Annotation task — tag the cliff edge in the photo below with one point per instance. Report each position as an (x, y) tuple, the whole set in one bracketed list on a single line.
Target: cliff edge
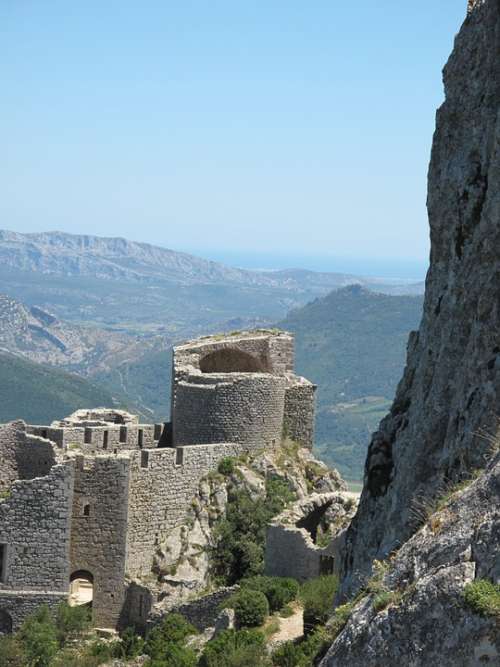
[(449, 397)]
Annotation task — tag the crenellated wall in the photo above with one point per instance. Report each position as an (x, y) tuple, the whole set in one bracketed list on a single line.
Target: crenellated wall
[(162, 484)]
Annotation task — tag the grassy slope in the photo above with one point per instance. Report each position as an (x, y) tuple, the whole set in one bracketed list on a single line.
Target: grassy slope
[(352, 343), (39, 394)]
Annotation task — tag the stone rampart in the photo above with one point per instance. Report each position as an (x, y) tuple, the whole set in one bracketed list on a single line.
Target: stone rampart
[(162, 484)]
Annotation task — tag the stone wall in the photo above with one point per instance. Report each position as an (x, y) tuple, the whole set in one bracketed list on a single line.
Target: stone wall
[(203, 612), (290, 552), (99, 529), (101, 438), (244, 408), (15, 606), (10, 437), (162, 484), (35, 531), (299, 412)]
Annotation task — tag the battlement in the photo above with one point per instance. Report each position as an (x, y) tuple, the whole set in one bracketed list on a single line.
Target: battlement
[(105, 437)]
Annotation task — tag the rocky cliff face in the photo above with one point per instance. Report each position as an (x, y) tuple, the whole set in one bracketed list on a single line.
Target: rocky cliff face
[(450, 393), (430, 504)]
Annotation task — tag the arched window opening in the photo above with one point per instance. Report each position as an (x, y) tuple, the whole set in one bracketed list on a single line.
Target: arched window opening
[(230, 360), (86, 510), (5, 623), (81, 589)]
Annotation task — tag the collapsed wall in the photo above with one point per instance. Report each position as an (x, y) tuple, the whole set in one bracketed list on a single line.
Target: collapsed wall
[(450, 393)]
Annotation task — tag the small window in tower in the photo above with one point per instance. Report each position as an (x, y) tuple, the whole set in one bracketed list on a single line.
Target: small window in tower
[(86, 510), (123, 434), (140, 438), (3, 563), (88, 436), (105, 439)]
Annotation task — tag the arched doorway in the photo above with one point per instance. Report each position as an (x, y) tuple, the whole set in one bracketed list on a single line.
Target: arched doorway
[(5, 623), (231, 360), (81, 588)]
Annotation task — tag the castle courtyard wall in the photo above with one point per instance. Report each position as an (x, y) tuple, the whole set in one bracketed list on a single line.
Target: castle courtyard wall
[(162, 484)]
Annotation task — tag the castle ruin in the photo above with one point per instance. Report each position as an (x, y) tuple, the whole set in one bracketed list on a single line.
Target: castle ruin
[(85, 501)]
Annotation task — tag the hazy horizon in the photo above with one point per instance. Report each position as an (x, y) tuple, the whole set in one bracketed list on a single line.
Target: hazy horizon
[(276, 129)]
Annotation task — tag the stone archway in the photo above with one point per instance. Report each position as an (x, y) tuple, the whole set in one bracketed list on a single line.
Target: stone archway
[(81, 588), (231, 360), (5, 623)]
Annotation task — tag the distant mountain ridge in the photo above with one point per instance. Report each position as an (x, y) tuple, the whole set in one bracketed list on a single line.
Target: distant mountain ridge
[(117, 258)]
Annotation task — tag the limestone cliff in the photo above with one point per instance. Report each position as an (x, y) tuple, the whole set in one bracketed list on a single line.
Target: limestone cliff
[(450, 393)]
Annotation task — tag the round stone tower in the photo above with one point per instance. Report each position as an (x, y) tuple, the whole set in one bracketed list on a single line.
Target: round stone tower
[(239, 388)]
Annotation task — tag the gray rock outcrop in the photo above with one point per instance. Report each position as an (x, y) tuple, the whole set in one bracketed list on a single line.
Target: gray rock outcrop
[(449, 397), (427, 621)]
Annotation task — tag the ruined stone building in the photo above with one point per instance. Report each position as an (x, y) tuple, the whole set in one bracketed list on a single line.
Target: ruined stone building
[(85, 501)]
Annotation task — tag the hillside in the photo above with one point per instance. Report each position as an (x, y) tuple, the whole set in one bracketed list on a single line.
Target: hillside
[(352, 344), (140, 288), (39, 394)]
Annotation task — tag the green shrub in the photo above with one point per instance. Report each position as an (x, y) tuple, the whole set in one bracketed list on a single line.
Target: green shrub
[(316, 596), (11, 652), (483, 597), (236, 648), (287, 655), (304, 653), (239, 536), (38, 635), (72, 622), (287, 611), (174, 629), (226, 466), (279, 591), (175, 655), (251, 608), (382, 600), (130, 646)]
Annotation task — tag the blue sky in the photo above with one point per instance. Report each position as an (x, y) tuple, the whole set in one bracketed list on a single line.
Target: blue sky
[(267, 128)]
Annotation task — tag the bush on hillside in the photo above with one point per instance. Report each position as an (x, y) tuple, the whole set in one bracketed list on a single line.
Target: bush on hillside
[(279, 591), (483, 597), (251, 608), (316, 596), (173, 630), (239, 536), (236, 648), (226, 466)]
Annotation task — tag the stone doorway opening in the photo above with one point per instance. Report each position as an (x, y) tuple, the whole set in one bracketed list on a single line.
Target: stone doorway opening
[(81, 589), (5, 623)]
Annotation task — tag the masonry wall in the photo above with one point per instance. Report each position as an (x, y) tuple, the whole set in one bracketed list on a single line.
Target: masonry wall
[(98, 535), (17, 605), (290, 552), (10, 438), (95, 439), (162, 484), (299, 412), (35, 527), (243, 408)]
